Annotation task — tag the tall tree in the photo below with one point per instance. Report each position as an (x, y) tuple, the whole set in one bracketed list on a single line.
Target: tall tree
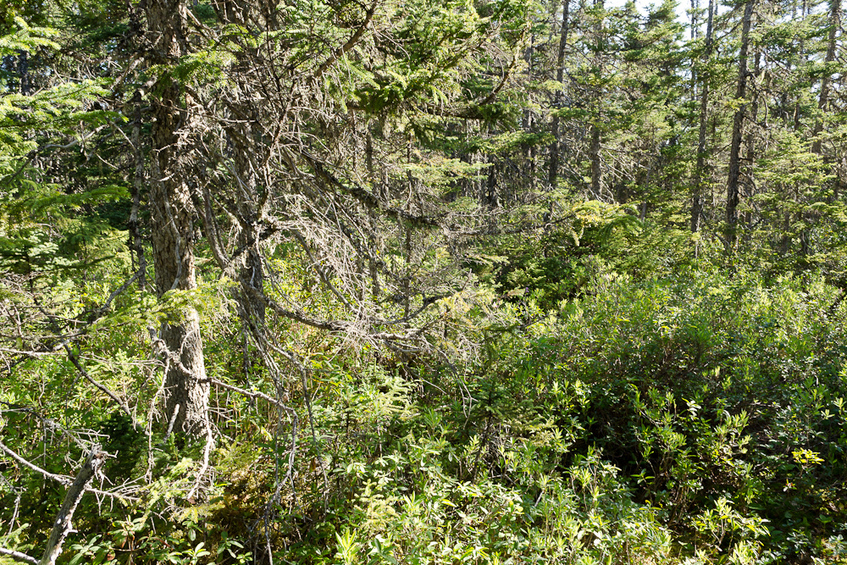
[(556, 146), (834, 25), (734, 180), (647, 106), (598, 48), (701, 75), (172, 216)]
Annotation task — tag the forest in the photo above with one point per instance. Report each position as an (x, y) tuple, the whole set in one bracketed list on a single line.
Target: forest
[(423, 282)]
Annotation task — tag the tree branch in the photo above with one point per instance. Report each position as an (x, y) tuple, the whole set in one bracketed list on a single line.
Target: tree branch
[(18, 556), (365, 197), (62, 525), (354, 39), (64, 479), (75, 360), (248, 393)]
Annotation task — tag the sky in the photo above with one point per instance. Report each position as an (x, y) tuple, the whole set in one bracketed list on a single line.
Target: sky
[(681, 9)]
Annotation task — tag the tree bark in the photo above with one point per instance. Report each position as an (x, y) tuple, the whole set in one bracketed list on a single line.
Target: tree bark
[(251, 274), (136, 244), (823, 98), (530, 121), (596, 163), (62, 526), (244, 135), (246, 142), (560, 73), (172, 216), (700, 169), (596, 140), (732, 185), (750, 157)]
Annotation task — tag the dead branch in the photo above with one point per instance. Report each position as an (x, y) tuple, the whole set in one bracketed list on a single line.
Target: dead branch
[(354, 39), (18, 556), (247, 393), (62, 525), (64, 479), (75, 360), (365, 197)]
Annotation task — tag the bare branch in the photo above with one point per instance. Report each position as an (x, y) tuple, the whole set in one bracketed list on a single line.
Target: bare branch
[(75, 360), (98, 312), (18, 556), (33, 354), (110, 494), (248, 393), (62, 525), (349, 44), (365, 197), (64, 479), (204, 467)]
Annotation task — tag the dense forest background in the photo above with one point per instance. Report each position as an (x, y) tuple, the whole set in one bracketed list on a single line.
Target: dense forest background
[(422, 281)]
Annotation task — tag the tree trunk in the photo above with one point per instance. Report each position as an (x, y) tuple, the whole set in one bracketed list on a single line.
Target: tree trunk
[(136, 244), (700, 169), (732, 184), (530, 122), (560, 72), (172, 214), (596, 141), (245, 137), (251, 275), (596, 164), (823, 98), (750, 157), (695, 15)]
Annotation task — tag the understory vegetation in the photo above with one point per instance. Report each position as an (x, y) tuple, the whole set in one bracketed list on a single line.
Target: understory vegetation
[(689, 416)]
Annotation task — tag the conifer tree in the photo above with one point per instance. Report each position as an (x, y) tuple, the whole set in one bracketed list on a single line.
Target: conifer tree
[(734, 180), (173, 217), (702, 74)]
